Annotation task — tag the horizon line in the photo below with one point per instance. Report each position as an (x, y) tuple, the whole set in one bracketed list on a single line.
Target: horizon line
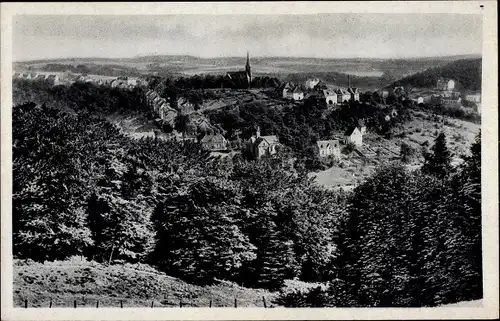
[(255, 57)]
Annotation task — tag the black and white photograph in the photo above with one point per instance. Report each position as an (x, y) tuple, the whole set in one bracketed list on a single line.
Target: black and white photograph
[(167, 161)]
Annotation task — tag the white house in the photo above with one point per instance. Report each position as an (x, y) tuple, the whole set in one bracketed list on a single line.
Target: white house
[(445, 84), (353, 135), (330, 97), (297, 94), (420, 100), (354, 93), (475, 98), (328, 148), (343, 95)]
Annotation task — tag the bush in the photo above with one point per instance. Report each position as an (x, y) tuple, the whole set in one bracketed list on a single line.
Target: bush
[(349, 148), (314, 298)]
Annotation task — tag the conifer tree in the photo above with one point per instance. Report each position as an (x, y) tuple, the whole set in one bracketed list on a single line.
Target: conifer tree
[(438, 162)]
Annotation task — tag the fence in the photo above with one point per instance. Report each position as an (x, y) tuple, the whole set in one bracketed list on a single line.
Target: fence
[(181, 304)]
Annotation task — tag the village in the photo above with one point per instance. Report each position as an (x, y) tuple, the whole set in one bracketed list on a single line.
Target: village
[(351, 148)]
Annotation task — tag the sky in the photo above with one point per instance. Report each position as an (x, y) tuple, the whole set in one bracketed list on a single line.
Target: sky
[(336, 35)]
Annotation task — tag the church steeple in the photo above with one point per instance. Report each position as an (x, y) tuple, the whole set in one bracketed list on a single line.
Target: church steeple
[(248, 69)]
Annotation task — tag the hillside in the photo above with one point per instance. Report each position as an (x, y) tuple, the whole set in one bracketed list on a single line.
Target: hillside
[(136, 285), (466, 71)]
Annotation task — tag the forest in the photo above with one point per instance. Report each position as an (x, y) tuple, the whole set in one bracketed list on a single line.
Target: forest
[(466, 71), (82, 188)]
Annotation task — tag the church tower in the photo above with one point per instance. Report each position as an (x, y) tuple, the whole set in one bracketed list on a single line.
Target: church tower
[(248, 69)]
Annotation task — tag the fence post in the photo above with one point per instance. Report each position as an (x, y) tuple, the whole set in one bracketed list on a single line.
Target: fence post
[(152, 304), (74, 303), (50, 304), (97, 304), (25, 303), (121, 303), (235, 303), (210, 303), (264, 300), (180, 303)]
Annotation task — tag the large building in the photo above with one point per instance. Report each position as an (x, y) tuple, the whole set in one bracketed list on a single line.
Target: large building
[(242, 78), (263, 145), (445, 84)]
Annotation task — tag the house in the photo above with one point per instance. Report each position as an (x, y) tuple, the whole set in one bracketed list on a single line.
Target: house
[(385, 93), (184, 105), (132, 82), (449, 101), (311, 83), (475, 98), (420, 100), (263, 145), (214, 142), (343, 95), (53, 80), (285, 90), (291, 91), (39, 77), (330, 97), (328, 148), (445, 84), (297, 94), (167, 114), (353, 135), (354, 93)]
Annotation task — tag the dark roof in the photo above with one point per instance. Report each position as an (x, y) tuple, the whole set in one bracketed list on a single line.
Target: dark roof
[(325, 143), (271, 140), (213, 138)]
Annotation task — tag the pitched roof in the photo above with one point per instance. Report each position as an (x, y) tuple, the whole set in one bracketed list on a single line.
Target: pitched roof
[(353, 90), (327, 143), (217, 138), (271, 140), (342, 91), (350, 130)]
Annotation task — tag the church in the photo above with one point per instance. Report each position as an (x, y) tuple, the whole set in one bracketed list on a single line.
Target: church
[(242, 78)]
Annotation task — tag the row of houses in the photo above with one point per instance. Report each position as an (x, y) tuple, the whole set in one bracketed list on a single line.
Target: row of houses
[(68, 78), (52, 79), (332, 96), (161, 107)]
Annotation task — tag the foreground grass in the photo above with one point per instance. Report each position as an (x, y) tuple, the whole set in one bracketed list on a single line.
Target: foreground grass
[(135, 285)]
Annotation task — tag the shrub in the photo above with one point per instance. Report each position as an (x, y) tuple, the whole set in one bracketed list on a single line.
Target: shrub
[(349, 148)]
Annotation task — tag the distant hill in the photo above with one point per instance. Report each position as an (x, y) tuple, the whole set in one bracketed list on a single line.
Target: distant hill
[(466, 71), (365, 73)]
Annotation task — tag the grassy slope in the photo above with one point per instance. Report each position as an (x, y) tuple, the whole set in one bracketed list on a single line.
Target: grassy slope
[(460, 135), (137, 285)]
